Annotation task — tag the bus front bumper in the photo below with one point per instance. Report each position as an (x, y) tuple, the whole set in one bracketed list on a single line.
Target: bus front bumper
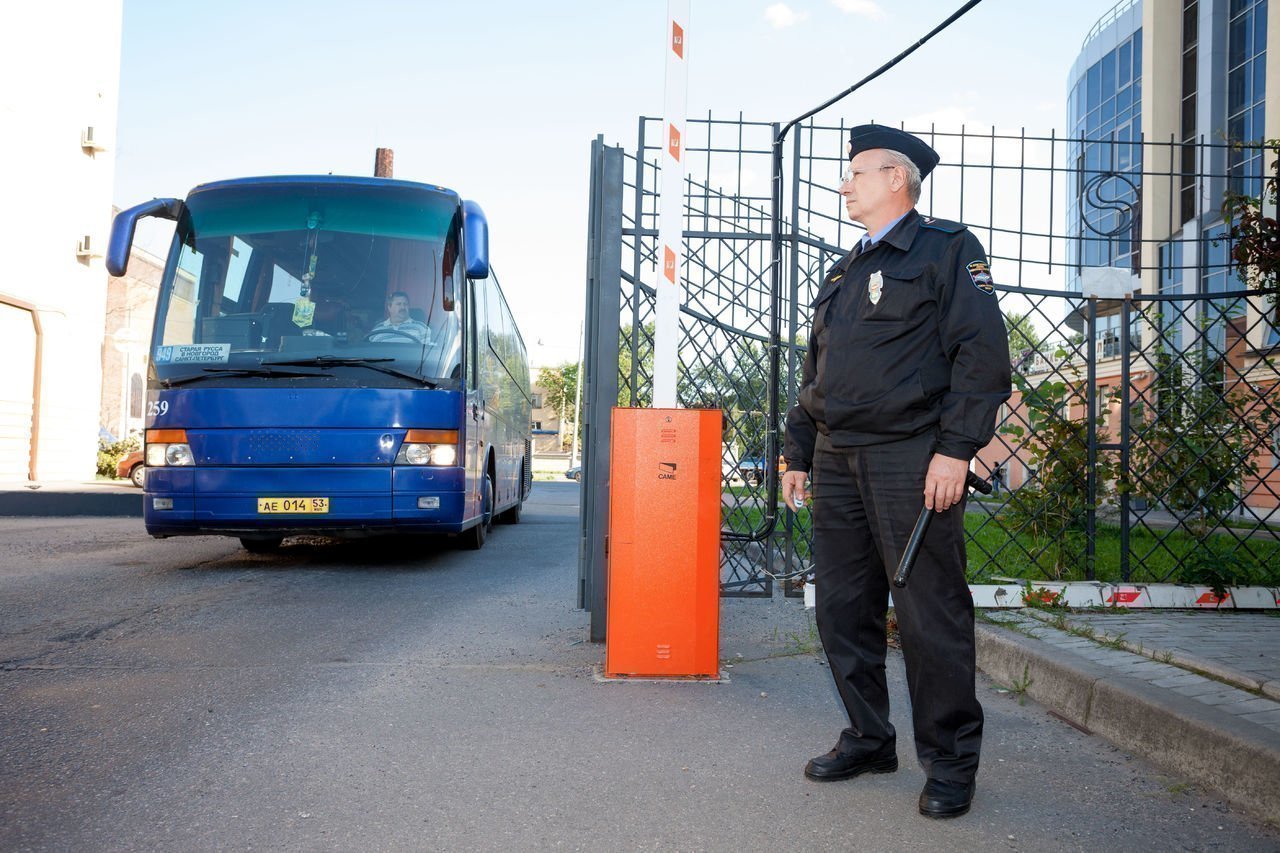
[(360, 501)]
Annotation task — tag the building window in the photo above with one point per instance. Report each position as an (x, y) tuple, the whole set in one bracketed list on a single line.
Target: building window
[(537, 401), (1217, 276), (1190, 34), (1105, 116), (1171, 278), (536, 425), (1246, 93)]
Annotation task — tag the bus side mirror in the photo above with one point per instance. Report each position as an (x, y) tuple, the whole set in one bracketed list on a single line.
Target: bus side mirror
[(475, 230), (449, 296), (126, 221)]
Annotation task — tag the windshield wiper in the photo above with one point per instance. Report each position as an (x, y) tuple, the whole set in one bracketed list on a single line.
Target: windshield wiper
[(221, 372), (324, 361)]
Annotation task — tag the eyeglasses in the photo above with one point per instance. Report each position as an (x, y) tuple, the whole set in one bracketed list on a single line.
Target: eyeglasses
[(850, 173)]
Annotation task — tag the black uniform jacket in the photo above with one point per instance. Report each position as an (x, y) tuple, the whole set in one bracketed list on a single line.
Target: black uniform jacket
[(907, 337)]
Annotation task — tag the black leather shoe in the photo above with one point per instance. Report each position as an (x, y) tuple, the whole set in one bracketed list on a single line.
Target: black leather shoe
[(943, 798), (833, 765)]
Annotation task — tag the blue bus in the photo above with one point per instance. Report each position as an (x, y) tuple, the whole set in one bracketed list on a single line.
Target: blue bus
[(330, 355)]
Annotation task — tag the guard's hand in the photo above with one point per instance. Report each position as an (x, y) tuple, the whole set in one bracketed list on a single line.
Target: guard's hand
[(944, 483), (793, 491)]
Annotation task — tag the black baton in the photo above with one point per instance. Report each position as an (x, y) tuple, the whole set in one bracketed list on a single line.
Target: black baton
[(972, 481)]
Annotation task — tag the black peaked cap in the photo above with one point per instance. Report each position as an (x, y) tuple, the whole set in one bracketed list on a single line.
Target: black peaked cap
[(867, 136)]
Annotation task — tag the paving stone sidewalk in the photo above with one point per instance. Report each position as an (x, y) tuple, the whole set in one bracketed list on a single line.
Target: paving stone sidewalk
[(1242, 649), (1194, 691), (1238, 652)]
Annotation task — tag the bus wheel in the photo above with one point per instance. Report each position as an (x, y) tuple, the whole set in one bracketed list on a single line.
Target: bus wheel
[(512, 516), (261, 545), (476, 536)]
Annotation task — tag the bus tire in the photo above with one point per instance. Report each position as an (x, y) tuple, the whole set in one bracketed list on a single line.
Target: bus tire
[(261, 545), (478, 535), (512, 516)]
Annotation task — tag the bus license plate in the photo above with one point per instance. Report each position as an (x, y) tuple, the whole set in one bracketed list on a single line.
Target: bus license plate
[(293, 505)]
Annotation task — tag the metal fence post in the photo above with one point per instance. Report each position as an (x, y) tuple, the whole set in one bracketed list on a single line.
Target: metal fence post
[(600, 391), (1126, 473), (636, 258), (1091, 427), (793, 321)]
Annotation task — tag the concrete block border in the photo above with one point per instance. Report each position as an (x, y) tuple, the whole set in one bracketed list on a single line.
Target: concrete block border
[(1236, 757)]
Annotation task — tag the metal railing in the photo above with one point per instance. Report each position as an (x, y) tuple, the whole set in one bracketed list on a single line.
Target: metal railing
[(1142, 440)]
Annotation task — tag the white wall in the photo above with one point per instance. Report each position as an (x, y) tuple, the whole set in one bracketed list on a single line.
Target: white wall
[(59, 73)]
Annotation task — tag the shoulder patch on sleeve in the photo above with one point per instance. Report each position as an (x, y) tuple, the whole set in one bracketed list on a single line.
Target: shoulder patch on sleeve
[(945, 225), (981, 275)]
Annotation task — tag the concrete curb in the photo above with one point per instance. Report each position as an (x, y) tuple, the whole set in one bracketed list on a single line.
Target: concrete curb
[(1238, 758), (53, 503)]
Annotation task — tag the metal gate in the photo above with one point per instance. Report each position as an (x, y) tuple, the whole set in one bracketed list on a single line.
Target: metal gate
[(1143, 439)]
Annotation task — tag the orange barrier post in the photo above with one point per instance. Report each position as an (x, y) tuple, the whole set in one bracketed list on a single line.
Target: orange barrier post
[(664, 544)]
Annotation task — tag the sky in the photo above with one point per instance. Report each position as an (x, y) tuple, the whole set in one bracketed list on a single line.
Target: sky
[(500, 100)]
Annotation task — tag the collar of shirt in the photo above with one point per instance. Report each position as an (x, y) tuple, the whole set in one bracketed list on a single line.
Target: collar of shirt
[(869, 240), (900, 233)]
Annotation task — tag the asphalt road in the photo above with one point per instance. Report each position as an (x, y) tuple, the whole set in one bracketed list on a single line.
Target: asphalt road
[(403, 695)]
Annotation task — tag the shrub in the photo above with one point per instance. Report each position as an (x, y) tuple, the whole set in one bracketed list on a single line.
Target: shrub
[(111, 452)]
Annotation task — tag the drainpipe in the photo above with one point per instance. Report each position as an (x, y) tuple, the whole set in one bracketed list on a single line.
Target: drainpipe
[(34, 455)]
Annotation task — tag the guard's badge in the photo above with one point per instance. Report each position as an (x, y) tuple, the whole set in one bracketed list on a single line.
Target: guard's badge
[(981, 275), (875, 287)]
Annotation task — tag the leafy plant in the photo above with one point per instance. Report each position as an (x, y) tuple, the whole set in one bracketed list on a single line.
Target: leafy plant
[(1053, 508), (1255, 237), (1023, 337), (1196, 439), (111, 452), (1020, 685), (1042, 598), (560, 394), (1218, 568)]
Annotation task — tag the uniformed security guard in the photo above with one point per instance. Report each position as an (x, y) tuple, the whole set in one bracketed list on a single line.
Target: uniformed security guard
[(907, 366)]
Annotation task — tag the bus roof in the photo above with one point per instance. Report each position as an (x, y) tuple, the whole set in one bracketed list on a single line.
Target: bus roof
[(334, 180)]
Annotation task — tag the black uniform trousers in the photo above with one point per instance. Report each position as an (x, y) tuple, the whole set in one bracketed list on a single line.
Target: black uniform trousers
[(865, 502)]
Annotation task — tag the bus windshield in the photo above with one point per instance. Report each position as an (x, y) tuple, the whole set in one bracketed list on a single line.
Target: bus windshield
[(313, 282)]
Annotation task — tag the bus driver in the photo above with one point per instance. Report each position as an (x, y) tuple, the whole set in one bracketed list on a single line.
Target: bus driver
[(399, 326)]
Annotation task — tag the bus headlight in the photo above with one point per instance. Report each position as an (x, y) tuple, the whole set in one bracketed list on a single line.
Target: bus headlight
[(168, 447), (444, 454), (178, 454), (437, 447), (417, 454)]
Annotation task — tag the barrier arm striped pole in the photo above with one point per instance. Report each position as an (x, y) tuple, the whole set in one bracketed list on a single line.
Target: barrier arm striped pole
[(666, 344)]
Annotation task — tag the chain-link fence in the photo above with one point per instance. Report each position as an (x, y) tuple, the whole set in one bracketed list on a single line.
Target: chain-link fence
[(1142, 442)]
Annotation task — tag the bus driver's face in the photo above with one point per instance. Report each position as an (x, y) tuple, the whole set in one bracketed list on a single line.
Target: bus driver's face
[(398, 310)]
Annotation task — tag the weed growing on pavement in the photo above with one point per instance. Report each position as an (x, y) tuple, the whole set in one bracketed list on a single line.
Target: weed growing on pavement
[(1020, 685), (1117, 642), (808, 643), (1011, 625)]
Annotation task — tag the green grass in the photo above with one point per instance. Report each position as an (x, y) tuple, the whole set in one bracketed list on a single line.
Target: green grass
[(1154, 556)]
